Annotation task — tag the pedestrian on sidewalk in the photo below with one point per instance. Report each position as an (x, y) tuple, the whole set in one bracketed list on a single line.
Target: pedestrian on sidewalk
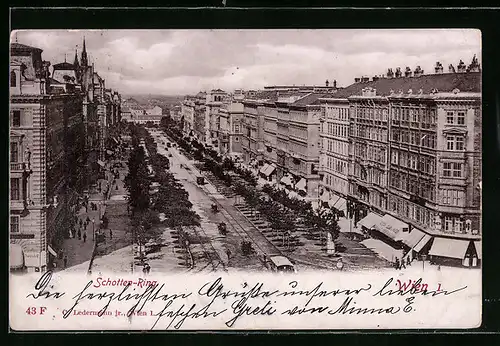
[(88, 220), (84, 237), (110, 234), (81, 222), (79, 235), (65, 261)]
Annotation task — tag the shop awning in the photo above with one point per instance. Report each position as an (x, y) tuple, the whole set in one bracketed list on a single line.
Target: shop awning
[(391, 227), (16, 256), (52, 251), (270, 169), (451, 248), (338, 202), (479, 249), (413, 238), (325, 197), (301, 185), (423, 242), (370, 220), (100, 163), (264, 168)]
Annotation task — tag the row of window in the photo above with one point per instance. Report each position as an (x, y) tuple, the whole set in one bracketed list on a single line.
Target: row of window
[(337, 130), (412, 211), (335, 183), (371, 113), (337, 165), (337, 113), (410, 184), (422, 163), (336, 146), (371, 175), (427, 140), (413, 115), (369, 132)]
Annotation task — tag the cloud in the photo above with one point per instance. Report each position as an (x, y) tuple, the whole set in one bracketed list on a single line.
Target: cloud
[(185, 61)]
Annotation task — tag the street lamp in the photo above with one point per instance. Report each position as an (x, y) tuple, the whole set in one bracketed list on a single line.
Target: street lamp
[(93, 229)]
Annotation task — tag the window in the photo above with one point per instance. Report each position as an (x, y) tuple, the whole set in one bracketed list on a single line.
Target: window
[(461, 118), (448, 223), (447, 169), (13, 79), (457, 170), (236, 139), (450, 117), (16, 118), (15, 192), (14, 152), (14, 224), (459, 143), (237, 128), (450, 141)]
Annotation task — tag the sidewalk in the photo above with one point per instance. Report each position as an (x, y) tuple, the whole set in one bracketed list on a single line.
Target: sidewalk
[(76, 249)]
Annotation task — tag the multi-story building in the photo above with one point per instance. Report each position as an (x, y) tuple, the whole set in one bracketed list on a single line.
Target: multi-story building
[(215, 99), (187, 115), (415, 158), (47, 141), (230, 128)]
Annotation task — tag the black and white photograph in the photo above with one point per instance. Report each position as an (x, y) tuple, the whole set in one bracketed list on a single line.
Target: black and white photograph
[(339, 155)]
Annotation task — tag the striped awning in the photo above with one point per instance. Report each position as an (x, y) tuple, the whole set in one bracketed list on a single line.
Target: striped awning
[(301, 185), (338, 202), (413, 238), (423, 242), (325, 196), (391, 227), (370, 220), (264, 168), (270, 169), (479, 249), (51, 251), (450, 248), (16, 256)]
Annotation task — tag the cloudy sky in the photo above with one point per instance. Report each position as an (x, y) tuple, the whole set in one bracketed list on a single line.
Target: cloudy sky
[(177, 62)]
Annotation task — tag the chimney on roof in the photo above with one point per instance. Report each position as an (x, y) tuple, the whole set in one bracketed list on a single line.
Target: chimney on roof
[(418, 72), (398, 72), (461, 67), (390, 74), (451, 69), (408, 72), (438, 68), (357, 80), (375, 78), (335, 82), (365, 79), (327, 83)]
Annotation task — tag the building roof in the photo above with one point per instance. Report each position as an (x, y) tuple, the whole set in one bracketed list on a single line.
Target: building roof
[(443, 82), (311, 99), (64, 66), (19, 46)]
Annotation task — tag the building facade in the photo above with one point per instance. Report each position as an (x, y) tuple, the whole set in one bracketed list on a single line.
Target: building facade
[(47, 140)]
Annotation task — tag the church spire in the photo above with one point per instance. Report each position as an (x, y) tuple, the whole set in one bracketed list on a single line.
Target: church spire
[(84, 54), (76, 63)]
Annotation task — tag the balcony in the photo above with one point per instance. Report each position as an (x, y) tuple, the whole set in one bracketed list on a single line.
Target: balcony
[(17, 166)]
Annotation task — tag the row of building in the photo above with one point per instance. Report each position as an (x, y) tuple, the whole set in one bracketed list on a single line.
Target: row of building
[(59, 123), (132, 111), (401, 152)]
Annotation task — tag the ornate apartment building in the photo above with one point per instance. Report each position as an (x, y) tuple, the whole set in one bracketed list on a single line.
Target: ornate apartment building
[(47, 139), (414, 153), (55, 135)]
